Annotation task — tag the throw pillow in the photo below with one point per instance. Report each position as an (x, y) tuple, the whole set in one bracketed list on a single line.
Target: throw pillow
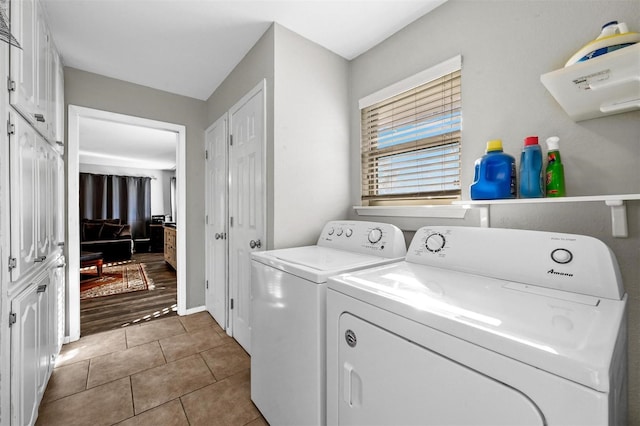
[(110, 231), (91, 231)]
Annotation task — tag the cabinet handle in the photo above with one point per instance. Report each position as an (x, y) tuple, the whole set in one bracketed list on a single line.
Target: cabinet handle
[(61, 244), (62, 265), (39, 118), (40, 259), (42, 288)]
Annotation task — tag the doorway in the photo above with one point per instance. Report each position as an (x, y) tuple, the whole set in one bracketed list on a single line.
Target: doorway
[(236, 210), (75, 115)]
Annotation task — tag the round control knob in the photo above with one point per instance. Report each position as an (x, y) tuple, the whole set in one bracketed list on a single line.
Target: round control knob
[(561, 256), (340, 231), (330, 231), (435, 242), (375, 235), (348, 232)]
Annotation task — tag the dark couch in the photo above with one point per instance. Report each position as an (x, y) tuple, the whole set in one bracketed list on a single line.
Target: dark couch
[(107, 236)]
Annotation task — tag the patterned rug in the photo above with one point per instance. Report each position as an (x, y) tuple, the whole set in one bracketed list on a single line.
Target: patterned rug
[(117, 277)]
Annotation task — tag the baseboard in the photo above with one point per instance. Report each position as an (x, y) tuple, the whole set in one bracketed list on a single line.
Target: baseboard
[(195, 310)]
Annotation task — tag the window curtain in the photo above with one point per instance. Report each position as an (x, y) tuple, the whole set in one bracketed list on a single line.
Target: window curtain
[(127, 198)]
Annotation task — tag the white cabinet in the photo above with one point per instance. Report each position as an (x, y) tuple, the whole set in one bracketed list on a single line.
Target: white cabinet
[(37, 332), (25, 356), (37, 192), (35, 70), (32, 219), (35, 342), (23, 61)]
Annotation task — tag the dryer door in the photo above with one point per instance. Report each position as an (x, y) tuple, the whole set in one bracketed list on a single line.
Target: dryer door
[(386, 379)]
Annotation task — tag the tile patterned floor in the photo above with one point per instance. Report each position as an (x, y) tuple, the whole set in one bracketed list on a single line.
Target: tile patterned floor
[(174, 371)]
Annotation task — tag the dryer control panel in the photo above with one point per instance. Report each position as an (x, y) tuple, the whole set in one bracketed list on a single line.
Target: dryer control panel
[(380, 239), (568, 262)]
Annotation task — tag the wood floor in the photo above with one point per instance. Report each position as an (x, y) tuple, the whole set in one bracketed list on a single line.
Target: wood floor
[(121, 310)]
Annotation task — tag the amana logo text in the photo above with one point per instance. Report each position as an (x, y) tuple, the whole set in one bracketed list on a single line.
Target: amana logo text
[(551, 271)]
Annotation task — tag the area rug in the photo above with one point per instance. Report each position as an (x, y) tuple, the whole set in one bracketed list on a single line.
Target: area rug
[(118, 277)]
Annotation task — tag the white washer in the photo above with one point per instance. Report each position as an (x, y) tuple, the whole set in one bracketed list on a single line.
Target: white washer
[(288, 297), (480, 326)]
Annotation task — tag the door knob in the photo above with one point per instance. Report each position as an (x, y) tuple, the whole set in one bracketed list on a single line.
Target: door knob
[(218, 236), (255, 244)]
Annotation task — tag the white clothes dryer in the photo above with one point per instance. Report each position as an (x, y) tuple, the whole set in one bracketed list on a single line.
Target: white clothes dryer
[(480, 327), (288, 298)]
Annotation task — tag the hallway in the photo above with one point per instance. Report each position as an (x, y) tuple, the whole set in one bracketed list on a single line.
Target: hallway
[(172, 371)]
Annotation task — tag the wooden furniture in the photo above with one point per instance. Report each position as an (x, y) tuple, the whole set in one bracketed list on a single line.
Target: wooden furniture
[(89, 259), (170, 254)]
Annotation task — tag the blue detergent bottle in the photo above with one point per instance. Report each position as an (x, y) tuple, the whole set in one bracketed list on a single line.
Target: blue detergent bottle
[(531, 169), (495, 174)]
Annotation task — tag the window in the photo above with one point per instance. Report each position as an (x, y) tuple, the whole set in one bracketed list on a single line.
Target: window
[(411, 135)]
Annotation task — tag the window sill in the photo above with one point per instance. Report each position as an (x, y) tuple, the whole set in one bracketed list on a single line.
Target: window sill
[(439, 211)]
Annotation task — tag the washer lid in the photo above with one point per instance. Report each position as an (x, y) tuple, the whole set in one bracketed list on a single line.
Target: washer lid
[(317, 263), (570, 335)]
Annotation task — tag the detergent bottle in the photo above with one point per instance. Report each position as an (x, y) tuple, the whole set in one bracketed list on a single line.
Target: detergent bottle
[(531, 169), (614, 36), (495, 174), (555, 169)]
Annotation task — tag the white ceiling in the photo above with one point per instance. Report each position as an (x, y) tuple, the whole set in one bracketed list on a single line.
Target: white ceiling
[(188, 47), (112, 143)]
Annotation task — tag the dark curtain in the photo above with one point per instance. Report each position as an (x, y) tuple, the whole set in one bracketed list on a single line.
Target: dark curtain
[(127, 198)]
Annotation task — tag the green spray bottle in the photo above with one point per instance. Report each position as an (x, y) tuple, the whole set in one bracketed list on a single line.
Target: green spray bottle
[(555, 169)]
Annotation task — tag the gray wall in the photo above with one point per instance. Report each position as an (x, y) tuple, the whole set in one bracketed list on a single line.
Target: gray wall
[(311, 139), (107, 94), (307, 131), (505, 47)]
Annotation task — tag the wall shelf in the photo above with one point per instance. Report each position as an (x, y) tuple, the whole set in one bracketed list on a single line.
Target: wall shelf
[(615, 202), (606, 85)]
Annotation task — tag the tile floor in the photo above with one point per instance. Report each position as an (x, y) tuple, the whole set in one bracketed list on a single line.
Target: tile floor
[(174, 371)]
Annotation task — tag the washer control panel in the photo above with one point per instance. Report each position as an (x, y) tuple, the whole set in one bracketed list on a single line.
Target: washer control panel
[(568, 262), (381, 239)]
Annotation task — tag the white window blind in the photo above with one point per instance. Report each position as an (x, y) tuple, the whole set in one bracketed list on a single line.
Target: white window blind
[(411, 142)]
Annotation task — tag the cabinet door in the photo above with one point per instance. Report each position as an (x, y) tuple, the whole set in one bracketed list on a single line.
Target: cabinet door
[(56, 308), (25, 354), (58, 191), (45, 346), (42, 65), (44, 205), (23, 27), (23, 171)]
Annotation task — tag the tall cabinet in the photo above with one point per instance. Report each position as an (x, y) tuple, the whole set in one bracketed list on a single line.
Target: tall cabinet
[(32, 217)]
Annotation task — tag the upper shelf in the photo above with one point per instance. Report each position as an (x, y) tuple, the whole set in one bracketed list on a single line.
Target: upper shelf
[(606, 85), (619, 227)]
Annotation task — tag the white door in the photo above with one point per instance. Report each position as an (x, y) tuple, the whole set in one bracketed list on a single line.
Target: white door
[(217, 183), (23, 151), (23, 27), (246, 205), (25, 353)]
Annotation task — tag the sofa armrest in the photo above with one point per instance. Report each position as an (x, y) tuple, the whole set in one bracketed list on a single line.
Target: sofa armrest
[(125, 234)]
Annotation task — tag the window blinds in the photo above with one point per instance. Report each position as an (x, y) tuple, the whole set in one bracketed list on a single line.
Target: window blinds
[(411, 143)]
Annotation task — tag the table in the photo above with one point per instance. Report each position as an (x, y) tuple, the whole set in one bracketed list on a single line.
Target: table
[(89, 258)]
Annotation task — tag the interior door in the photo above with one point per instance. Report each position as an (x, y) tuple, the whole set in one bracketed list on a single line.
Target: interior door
[(246, 205), (217, 184)]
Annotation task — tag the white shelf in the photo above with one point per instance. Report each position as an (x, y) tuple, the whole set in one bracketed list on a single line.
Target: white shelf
[(615, 202), (606, 85)]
